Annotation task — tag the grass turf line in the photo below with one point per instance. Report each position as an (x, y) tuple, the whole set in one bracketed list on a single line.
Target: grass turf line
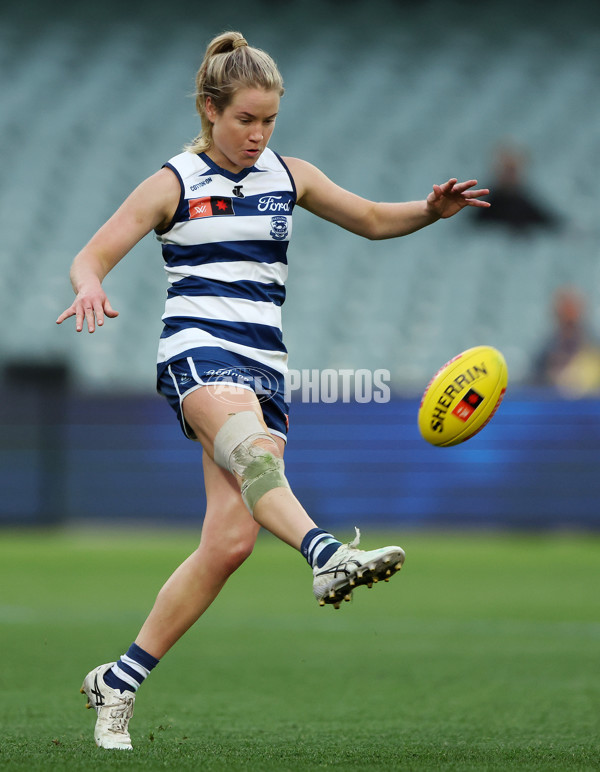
[(481, 655)]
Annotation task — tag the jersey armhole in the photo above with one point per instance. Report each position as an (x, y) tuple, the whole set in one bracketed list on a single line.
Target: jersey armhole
[(181, 199), (289, 174)]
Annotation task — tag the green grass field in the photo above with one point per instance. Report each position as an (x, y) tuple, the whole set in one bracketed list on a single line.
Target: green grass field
[(483, 654)]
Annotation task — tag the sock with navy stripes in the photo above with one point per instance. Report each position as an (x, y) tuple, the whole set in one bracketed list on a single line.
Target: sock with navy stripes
[(131, 670), (318, 546)]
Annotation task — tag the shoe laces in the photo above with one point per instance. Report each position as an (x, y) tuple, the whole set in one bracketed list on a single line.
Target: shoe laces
[(356, 541), (120, 714), (341, 568)]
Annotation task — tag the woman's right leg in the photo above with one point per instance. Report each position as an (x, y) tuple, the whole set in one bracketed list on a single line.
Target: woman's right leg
[(228, 536)]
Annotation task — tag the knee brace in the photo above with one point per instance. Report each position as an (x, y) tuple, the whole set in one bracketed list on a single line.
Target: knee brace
[(258, 469)]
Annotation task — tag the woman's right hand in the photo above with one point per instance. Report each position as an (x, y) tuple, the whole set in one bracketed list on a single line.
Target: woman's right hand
[(151, 205), (91, 305)]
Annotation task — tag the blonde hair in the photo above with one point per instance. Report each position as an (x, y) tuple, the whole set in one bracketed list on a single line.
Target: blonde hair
[(230, 64)]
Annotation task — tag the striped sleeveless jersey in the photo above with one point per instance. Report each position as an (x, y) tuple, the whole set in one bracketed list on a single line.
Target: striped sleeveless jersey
[(225, 258)]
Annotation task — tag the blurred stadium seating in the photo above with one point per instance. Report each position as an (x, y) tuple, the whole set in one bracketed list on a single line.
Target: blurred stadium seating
[(387, 99)]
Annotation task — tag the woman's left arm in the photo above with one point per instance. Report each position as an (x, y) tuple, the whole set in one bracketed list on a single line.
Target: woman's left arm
[(319, 195)]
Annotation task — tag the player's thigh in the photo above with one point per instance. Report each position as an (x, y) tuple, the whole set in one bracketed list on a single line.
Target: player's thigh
[(228, 527), (206, 409)]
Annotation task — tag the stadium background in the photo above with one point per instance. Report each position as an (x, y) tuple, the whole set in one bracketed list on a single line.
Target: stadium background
[(386, 98)]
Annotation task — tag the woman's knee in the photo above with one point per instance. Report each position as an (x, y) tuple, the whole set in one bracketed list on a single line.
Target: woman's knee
[(229, 547), (236, 548)]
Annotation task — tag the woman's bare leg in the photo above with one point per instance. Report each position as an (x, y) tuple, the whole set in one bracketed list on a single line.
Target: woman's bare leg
[(228, 536), (206, 410), (229, 531)]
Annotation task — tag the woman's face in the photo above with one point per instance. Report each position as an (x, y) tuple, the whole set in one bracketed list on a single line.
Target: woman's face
[(242, 131)]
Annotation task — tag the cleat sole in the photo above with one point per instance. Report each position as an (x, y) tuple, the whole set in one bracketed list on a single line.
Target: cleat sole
[(375, 571)]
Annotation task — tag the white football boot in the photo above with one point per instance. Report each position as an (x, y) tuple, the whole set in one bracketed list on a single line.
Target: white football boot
[(114, 710), (349, 567)]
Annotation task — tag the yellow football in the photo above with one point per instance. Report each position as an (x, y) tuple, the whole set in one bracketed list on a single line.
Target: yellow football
[(463, 396)]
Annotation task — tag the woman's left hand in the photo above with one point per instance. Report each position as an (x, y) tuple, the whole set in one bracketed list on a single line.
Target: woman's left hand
[(449, 198)]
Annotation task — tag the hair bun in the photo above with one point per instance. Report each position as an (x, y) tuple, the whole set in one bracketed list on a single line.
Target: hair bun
[(239, 43)]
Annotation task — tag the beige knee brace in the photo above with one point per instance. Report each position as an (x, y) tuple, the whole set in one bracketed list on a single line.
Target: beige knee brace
[(258, 469)]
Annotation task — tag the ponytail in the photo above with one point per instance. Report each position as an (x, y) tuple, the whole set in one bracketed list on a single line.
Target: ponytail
[(230, 64)]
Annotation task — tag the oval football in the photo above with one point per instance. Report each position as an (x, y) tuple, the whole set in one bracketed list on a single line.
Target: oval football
[(463, 396)]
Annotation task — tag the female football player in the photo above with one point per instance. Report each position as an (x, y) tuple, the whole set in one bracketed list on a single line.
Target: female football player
[(222, 210)]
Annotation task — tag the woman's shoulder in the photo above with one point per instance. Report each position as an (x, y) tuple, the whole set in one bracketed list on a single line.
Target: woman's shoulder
[(300, 167), (187, 163), (305, 174), (294, 163)]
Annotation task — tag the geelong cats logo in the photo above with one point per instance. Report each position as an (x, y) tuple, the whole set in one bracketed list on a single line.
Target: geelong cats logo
[(279, 227)]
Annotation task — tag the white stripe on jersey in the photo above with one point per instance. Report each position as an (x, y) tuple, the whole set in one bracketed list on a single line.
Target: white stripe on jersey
[(185, 340), (235, 270), (199, 179), (210, 230), (212, 307)]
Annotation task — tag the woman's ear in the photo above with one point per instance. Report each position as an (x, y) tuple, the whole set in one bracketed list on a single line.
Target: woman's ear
[(210, 110)]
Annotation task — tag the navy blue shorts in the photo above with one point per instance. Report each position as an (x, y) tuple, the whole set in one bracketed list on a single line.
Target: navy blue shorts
[(183, 376)]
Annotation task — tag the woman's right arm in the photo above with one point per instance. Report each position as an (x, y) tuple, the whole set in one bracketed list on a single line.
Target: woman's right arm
[(151, 205)]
